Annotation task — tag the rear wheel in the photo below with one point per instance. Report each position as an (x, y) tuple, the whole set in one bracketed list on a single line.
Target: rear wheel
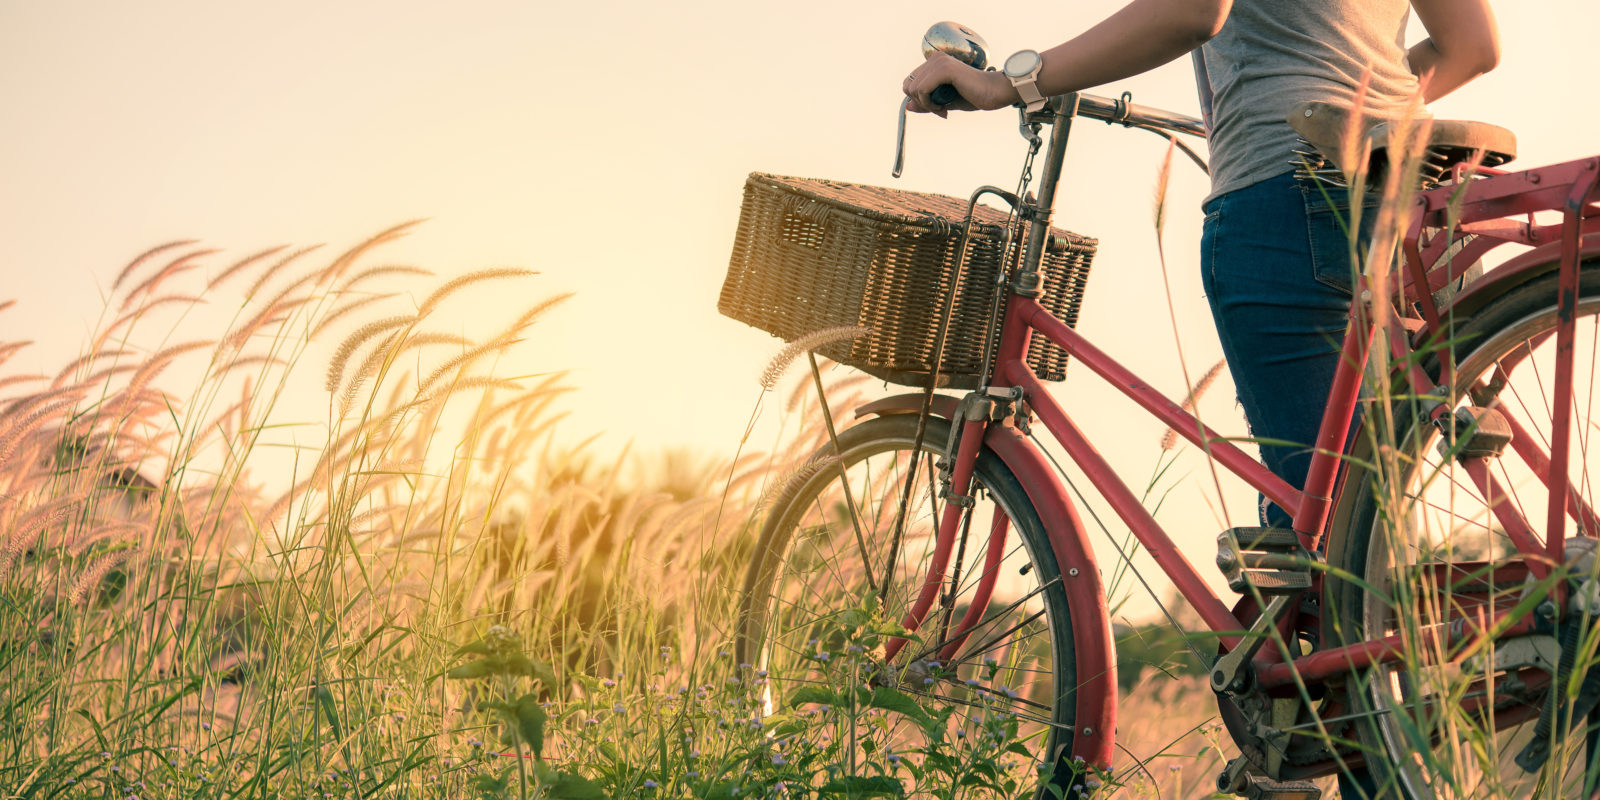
[(987, 666), (1431, 549)]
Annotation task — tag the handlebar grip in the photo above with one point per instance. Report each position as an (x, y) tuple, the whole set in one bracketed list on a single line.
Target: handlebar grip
[(944, 95)]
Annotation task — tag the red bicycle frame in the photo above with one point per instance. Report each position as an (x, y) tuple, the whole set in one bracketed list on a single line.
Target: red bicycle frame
[(1482, 206)]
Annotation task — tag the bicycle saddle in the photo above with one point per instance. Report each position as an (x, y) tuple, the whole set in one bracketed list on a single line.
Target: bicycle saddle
[(1450, 142)]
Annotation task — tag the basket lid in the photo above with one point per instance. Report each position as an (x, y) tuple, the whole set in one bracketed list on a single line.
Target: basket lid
[(883, 204)]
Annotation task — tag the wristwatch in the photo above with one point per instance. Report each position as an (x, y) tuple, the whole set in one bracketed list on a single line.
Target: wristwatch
[(1022, 68)]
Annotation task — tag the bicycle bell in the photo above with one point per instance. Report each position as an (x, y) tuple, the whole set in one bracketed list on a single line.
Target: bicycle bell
[(959, 41)]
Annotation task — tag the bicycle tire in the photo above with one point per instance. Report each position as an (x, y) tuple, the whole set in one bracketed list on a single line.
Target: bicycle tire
[(1411, 551), (806, 577)]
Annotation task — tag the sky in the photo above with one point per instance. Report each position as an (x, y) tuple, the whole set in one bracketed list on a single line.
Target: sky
[(605, 145)]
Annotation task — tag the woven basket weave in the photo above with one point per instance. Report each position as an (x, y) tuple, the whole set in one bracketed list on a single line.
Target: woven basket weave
[(815, 254)]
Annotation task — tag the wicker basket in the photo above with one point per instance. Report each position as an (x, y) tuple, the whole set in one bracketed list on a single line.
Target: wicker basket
[(816, 254)]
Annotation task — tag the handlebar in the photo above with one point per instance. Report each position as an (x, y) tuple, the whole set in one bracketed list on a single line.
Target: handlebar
[(1121, 112)]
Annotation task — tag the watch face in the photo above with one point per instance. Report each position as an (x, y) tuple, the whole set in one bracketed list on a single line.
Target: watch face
[(1021, 63)]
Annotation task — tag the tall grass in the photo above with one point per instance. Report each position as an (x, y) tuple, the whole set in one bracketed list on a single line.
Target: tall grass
[(178, 624)]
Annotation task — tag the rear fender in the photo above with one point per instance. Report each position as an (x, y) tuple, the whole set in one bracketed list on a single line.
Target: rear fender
[(1095, 719)]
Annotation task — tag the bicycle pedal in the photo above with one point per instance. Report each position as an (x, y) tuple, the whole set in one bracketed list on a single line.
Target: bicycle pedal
[(1271, 560), (1474, 432)]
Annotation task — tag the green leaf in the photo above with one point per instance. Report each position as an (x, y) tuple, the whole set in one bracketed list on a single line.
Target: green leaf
[(863, 786), (475, 669), (530, 723), (522, 665), (575, 787), (894, 700), (478, 648), (325, 700), (814, 694)]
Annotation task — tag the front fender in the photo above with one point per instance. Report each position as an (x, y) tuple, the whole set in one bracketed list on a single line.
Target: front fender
[(1095, 718)]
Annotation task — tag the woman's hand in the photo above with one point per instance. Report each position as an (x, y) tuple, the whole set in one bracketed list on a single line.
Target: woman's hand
[(980, 91)]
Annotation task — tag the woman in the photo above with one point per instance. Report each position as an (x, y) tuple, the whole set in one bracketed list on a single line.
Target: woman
[(1273, 254)]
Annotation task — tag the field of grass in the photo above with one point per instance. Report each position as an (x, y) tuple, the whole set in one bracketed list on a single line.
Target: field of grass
[(444, 603)]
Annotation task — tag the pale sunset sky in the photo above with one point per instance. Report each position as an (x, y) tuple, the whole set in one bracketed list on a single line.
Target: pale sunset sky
[(605, 144)]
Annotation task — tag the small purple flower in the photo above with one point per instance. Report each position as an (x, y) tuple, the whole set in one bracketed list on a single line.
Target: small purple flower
[(778, 760), (822, 656), (650, 784), (608, 683)]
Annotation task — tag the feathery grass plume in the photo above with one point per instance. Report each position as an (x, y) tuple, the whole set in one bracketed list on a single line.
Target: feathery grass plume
[(146, 256), (811, 341), (5, 304), (277, 266), (795, 475), (348, 257), (357, 338), (15, 379), (37, 414), (88, 358), (9, 349), (152, 304), (83, 587), (1162, 178), (1169, 440), (380, 271), (241, 265), (352, 306), (1354, 148), (268, 315), (159, 362), (451, 287), (460, 363), (177, 266), (106, 534), (390, 349)]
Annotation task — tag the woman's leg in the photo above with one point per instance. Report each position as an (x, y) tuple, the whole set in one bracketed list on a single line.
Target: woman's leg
[(1277, 272)]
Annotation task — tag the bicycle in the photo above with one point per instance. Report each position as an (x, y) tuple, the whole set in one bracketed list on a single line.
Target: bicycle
[(1441, 570)]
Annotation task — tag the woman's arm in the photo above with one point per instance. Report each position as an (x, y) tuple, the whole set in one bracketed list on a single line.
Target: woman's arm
[(1462, 44), (1142, 36)]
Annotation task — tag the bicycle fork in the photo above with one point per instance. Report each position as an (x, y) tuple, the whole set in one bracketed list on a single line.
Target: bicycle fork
[(954, 487)]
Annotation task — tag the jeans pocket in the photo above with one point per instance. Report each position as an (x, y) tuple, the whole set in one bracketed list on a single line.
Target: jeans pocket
[(1334, 262)]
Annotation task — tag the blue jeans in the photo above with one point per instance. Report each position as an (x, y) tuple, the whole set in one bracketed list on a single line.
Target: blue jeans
[(1276, 267)]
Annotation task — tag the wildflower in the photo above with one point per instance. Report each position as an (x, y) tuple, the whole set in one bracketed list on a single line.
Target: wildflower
[(608, 683), (761, 673), (972, 682), (723, 654), (650, 784), (591, 721), (619, 709), (822, 656), (778, 760), (961, 733), (693, 773), (894, 758), (746, 665)]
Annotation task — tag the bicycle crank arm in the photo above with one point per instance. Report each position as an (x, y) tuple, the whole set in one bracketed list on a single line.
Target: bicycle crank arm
[(1229, 674)]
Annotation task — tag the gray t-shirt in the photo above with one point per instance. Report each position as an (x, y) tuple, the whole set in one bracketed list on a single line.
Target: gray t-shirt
[(1272, 54)]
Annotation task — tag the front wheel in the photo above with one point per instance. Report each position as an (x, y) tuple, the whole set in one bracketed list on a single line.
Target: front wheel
[(1433, 544), (901, 696)]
